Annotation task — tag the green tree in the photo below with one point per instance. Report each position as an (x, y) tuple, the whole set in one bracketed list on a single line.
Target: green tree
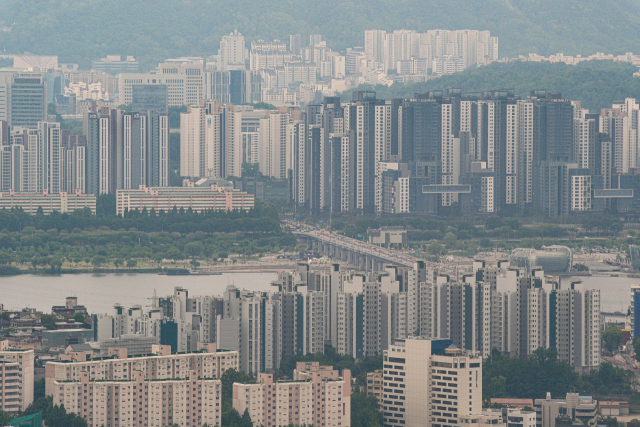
[(38, 390), (636, 348), (245, 421), (118, 262), (49, 321), (131, 263), (365, 411), (98, 260), (435, 248), (56, 265), (5, 417), (193, 249), (450, 239), (611, 337)]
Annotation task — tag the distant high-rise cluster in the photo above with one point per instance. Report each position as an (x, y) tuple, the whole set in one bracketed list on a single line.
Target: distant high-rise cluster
[(482, 152), (492, 307), (436, 51), (118, 149)]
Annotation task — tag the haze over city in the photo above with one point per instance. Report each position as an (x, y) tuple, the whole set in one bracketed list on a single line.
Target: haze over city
[(334, 214)]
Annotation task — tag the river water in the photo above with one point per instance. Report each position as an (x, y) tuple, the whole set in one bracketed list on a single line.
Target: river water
[(99, 292)]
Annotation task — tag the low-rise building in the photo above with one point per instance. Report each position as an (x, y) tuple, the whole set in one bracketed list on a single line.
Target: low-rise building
[(61, 202), (374, 384), (486, 419), (613, 409), (187, 400), (512, 403), (66, 337), (197, 198), (207, 363), (575, 407), (16, 378), (305, 371), (516, 417), (322, 399)]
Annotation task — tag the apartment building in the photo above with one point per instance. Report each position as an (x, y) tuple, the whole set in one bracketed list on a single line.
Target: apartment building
[(196, 198), (318, 397), (429, 381), (188, 400), (375, 384), (16, 378), (162, 365), (61, 202)]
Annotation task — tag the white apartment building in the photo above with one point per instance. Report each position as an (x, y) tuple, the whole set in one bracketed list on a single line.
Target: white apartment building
[(188, 400), (422, 386), (200, 143), (232, 53), (579, 324), (580, 193), (16, 378)]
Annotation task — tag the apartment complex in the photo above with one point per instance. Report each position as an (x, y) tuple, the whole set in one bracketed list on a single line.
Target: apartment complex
[(61, 202), (188, 400), (206, 363), (196, 198), (315, 397), (492, 307), (429, 381), (16, 378), (117, 150)]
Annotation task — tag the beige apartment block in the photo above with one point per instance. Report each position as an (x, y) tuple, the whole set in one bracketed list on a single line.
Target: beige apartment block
[(322, 399), (139, 401), (422, 388), (375, 384), (207, 363), (16, 378)]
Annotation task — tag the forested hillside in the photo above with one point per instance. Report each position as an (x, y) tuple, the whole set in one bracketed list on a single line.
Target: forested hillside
[(151, 30), (596, 83)]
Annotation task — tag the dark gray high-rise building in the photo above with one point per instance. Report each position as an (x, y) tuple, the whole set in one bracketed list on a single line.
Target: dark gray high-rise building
[(149, 98), (553, 149), (233, 86), (157, 167), (28, 100), (143, 150), (101, 129)]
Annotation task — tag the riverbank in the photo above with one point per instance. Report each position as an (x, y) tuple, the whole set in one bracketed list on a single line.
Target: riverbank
[(238, 268)]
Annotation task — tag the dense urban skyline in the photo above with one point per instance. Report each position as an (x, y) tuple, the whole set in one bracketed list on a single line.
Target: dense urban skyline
[(449, 256)]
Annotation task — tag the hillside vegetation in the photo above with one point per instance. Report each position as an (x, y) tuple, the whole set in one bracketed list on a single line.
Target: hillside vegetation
[(153, 30), (596, 83)]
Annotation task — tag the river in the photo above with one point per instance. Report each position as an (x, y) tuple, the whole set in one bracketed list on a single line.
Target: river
[(99, 292)]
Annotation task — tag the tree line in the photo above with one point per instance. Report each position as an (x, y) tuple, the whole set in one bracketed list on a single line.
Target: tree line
[(542, 372), (263, 218)]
